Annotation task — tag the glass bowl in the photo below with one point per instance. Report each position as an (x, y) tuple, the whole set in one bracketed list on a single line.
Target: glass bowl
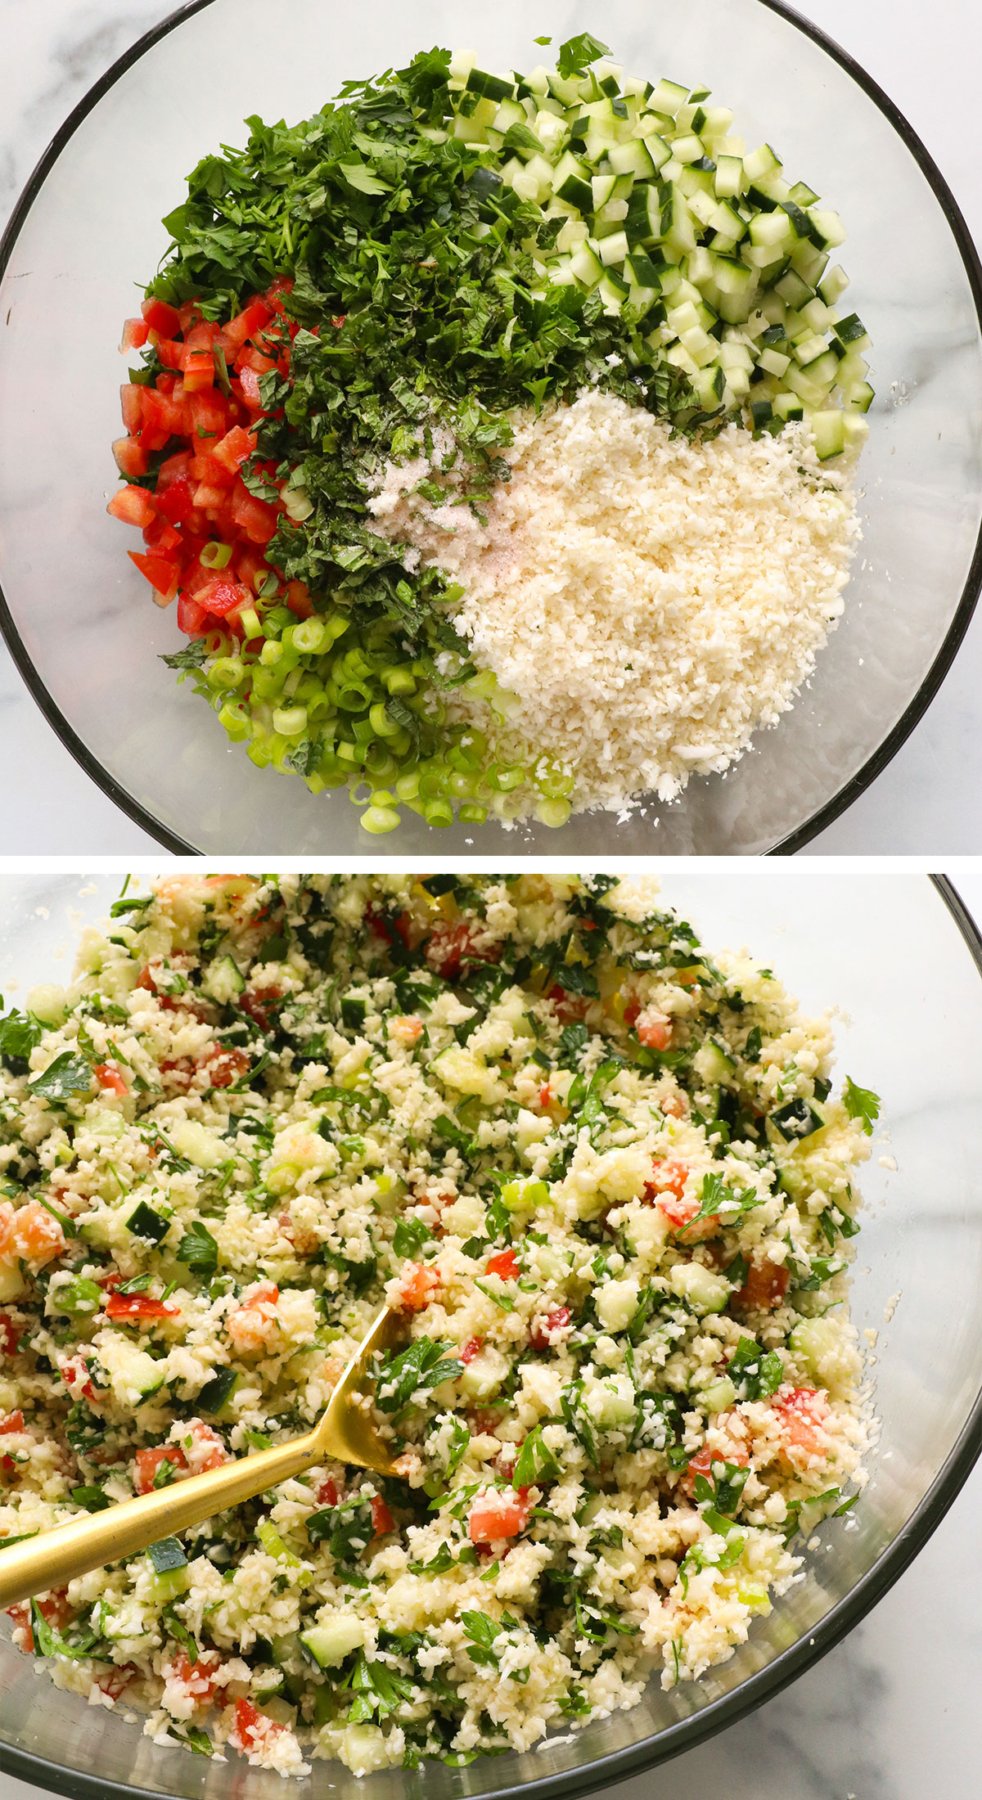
[(906, 960), (86, 234)]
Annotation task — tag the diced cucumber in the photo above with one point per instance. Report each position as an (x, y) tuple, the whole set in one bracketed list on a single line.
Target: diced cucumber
[(667, 97), (490, 87), (700, 1288), (828, 431), (330, 1643), (761, 163), (586, 265), (712, 1063), (223, 981), (613, 249)]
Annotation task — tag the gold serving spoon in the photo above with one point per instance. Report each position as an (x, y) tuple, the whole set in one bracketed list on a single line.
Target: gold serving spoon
[(344, 1431)]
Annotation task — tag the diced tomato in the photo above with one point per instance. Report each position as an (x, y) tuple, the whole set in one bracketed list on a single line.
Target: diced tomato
[(147, 1462), (654, 1029), (417, 1285), (135, 334), (251, 319), (257, 519), (667, 1177), (162, 574), (252, 1727), (132, 506), (54, 1608), (199, 359), (249, 383), (191, 618), (131, 458), (171, 354), (547, 1331), (77, 1376), (498, 1515), (132, 1309), (765, 1286), (198, 1677), (452, 948), (163, 415), (13, 1422), (280, 285), (174, 501), (327, 1492), (298, 600), (9, 1336), (568, 1006), (222, 597), (30, 1233), (261, 1005), (505, 1264), (161, 318), (382, 1520), (803, 1413), (226, 1067), (209, 415), (131, 401), (161, 537), (116, 1681), (235, 448), (209, 1450), (702, 1463), (110, 1078), (472, 1348), (545, 1096)]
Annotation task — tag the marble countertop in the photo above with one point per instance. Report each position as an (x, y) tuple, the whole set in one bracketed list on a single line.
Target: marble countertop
[(926, 801)]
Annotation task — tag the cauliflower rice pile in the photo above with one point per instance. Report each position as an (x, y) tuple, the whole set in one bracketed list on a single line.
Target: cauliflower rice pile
[(607, 1181)]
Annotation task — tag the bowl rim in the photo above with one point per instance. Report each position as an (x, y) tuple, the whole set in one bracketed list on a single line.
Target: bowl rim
[(931, 682), (684, 1734)]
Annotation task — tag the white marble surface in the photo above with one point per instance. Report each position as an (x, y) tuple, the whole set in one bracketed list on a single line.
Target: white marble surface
[(926, 801)]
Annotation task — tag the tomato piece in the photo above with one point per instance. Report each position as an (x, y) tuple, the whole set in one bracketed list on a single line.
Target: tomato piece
[(505, 1264), (161, 318), (77, 1376), (9, 1336), (498, 1515), (765, 1286), (252, 516), (174, 501), (803, 1413), (545, 1096), (13, 1422), (568, 1006), (667, 1177), (209, 416), (162, 574), (417, 1285), (226, 1067), (197, 1678), (702, 1463), (191, 618), (171, 354), (147, 1462), (116, 1681), (252, 1727), (472, 1348), (452, 947), (110, 1078), (249, 385), (298, 600), (31, 1234), (222, 597), (132, 506), (246, 323), (132, 1308), (654, 1029), (546, 1331), (382, 1520), (131, 458), (131, 405), (135, 334), (235, 448), (261, 1004), (327, 1492)]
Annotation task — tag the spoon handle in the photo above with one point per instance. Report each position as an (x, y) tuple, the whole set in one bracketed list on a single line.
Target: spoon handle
[(56, 1557)]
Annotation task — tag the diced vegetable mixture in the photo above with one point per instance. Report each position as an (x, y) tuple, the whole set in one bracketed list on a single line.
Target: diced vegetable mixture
[(606, 1178), (437, 256)]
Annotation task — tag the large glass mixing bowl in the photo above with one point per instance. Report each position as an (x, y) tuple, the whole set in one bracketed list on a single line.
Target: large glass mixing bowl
[(902, 956), (79, 619)]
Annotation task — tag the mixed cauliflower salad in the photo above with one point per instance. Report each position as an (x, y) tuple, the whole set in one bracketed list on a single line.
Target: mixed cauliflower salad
[(606, 1178)]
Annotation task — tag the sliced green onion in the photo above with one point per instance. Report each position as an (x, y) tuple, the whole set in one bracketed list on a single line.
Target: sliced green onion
[(216, 556), (379, 819), (290, 721)]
